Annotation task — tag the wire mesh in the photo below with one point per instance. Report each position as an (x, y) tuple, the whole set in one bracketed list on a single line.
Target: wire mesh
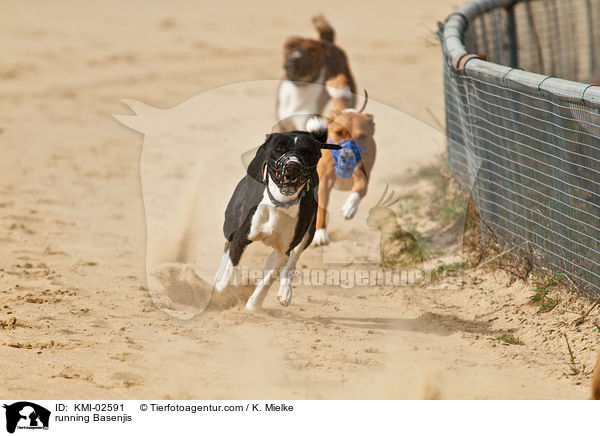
[(528, 147)]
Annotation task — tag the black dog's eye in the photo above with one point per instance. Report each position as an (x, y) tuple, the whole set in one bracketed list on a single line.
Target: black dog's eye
[(280, 147)]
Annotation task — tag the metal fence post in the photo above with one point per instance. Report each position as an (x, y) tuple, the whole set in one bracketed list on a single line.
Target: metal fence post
[(511, 30)]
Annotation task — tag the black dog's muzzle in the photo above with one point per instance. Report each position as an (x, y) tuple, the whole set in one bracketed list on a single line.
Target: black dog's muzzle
[(289, 172)]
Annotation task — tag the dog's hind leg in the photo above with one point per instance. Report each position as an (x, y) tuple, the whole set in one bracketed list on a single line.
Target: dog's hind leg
[(272, 265), (287, 273)]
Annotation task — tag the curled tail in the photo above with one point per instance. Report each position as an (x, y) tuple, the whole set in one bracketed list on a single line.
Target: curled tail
[(326, 32)]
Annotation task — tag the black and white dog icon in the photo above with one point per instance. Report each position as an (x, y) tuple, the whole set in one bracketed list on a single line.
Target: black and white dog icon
[(276, 203), (25, 414)]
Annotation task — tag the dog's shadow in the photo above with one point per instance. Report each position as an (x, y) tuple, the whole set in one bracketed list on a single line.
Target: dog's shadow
[(428, 322)]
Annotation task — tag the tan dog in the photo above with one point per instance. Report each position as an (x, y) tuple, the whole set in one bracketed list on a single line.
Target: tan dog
[(347, 169), (596, 381), (315, 72)]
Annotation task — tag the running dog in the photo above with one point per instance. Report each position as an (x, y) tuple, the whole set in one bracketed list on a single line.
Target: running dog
[(348, 168), (596, 381), (276, 203), (315, 72)]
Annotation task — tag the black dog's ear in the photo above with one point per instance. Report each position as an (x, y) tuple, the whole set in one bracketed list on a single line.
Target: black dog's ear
[(255, 167), (317, 127)]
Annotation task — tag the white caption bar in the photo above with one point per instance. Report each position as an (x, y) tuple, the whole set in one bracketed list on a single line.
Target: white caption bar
[(114, 417)]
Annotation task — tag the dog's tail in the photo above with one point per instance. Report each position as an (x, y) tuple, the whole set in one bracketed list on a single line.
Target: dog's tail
[(326, 32)]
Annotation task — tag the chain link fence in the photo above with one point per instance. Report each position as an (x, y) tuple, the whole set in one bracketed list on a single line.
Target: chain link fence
[(523, 125)]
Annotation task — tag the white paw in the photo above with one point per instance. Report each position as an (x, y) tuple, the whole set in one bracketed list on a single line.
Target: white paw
[(285, 292), (351, 205), (252, 305), (321, 237), (223, 277), (221, 284)]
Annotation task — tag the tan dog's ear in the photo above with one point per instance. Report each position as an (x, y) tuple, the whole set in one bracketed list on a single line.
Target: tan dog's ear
[(291, 43), (369, 118)]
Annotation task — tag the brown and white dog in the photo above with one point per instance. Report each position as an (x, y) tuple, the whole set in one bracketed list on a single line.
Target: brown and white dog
[(315, 72), (348, 168)]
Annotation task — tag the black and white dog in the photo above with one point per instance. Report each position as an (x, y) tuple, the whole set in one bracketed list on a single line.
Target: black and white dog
[(276, 203)]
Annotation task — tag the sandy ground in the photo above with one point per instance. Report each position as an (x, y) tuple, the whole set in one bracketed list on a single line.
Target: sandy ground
[(77, 319)]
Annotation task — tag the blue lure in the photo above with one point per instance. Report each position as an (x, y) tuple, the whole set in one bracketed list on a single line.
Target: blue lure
[(347, 158)]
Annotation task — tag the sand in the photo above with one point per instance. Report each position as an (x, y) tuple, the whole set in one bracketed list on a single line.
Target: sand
[(78, 319)]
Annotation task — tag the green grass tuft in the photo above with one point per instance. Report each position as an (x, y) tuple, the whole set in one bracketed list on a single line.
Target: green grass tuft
[(576, 367), (448, 270), (541, 293), (509, 339), (454, 209)]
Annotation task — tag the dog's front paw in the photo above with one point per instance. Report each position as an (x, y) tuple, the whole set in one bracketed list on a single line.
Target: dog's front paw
[(285, 292), (321, 237), (221, 284), (252, 305), (223, 280), (225, 273), (351, 205)]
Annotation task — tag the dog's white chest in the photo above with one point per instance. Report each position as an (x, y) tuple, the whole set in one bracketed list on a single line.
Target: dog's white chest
[(274, 226), (303, 99)]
